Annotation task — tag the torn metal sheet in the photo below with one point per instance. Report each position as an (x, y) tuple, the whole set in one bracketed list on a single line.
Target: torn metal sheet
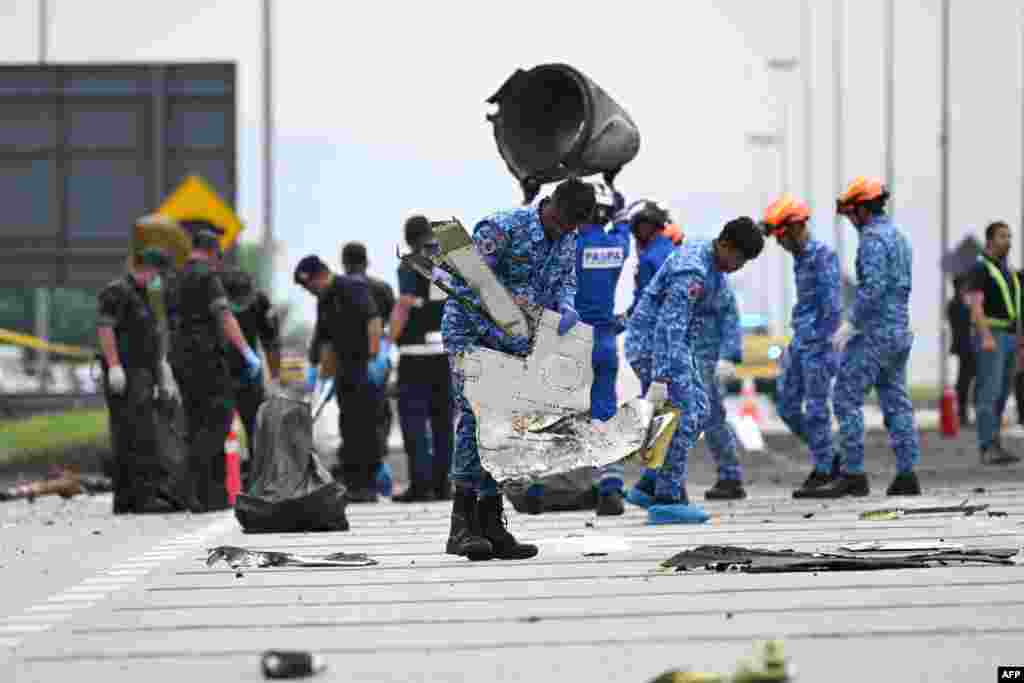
[(458, 254), (756, 561), (886, 514), (532, 412), (238, 558)]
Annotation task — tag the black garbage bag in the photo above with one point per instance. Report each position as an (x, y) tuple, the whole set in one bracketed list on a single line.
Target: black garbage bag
[(289, 490), (574, 490), (172, 452)]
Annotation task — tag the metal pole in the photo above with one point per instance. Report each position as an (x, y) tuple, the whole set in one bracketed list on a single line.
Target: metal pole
[(890, 95), (1020, 90), (805, 64), (838, 7), (42, 298), (944, 191), (268, 145), (787, 186)]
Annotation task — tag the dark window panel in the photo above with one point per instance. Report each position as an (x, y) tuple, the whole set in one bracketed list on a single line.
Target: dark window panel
[(127, 81), (29, 82), (104, 197), (91, 126), (195, 126), (26, 197), (213, 171), (200, 80), (28, 126)]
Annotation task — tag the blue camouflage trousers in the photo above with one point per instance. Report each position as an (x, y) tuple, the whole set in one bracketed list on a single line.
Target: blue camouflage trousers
[(688, 394), (802, 399), (462, 332), (717, 431), (868, 364)]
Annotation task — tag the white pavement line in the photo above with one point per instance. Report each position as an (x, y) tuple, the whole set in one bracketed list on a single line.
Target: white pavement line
[(57, 608), (76, 597), (25, 628)]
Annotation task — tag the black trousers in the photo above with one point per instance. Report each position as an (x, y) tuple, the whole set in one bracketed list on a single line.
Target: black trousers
[(966, 372), (249, 396), (207, 397), (359, 405), (137, 472)]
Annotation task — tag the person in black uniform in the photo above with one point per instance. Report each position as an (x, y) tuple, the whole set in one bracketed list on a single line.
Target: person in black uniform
[(424, 378), (347, 335), (260, 326), (959, 316), (134, 368), (354, 261), (199, 354)]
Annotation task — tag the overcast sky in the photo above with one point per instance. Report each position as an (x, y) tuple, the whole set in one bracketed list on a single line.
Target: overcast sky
[(380, 110)]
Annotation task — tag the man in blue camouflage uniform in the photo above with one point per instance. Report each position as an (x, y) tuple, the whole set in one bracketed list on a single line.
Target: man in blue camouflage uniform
[(600, 256), (532, 251), (875, 345), (679, 309), (810, 363)]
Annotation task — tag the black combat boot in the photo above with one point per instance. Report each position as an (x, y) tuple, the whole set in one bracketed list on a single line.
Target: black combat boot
[(726, 489), (846, 485), (905, 484), (465, 538), (493, 526), (815, 480)]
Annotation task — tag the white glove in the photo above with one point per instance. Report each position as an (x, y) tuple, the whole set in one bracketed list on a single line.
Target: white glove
[(657, 394), (725, 369), (843, 335), (167, 384), (116, 379)]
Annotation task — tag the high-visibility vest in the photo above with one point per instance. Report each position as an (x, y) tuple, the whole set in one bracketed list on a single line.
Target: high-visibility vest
[(1012, 304)]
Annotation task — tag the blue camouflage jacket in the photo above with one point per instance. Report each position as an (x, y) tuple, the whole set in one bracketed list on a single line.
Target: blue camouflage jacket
[(530, 265), (677, 321), (818, 308), (881, 310)]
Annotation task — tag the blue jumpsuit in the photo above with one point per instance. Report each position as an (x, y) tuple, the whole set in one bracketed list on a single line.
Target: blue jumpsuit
[(649, 260), (810, 364), (877, 356), (680, 306), (543, 271), (599, 259)]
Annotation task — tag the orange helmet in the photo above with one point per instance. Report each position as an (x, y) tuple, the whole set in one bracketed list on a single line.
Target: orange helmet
[(674, 233), (784, 211), (861, 190)]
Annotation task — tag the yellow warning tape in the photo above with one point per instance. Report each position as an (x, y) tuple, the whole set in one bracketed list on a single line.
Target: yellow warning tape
[(30, 342)]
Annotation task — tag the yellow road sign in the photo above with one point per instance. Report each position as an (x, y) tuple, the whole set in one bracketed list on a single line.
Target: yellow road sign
[(194, 199)]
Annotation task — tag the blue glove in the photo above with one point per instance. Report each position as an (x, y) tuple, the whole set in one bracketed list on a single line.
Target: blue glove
[(379, 366), (312, 374), (569, 319), (253, 365)]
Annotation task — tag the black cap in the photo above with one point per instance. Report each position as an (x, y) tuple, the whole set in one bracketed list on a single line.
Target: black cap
[(353, 254), (308, 267), (196, 225)]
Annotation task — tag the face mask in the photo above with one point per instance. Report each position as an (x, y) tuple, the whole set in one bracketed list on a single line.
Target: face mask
[(155, 284)]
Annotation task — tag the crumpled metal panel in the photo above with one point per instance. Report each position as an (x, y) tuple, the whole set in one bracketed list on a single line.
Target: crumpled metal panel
[(533, 412)]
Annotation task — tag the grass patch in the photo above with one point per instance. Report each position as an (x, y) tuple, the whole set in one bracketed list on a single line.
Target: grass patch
[(53, 438)]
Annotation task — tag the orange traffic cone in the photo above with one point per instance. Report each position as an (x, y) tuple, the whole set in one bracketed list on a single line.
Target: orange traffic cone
[(749, 408), (232, 462)]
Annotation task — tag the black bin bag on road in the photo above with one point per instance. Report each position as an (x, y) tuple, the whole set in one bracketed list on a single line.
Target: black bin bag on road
[(289, 490)]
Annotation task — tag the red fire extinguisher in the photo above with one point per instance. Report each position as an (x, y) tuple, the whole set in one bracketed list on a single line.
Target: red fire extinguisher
[(950, 414)]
